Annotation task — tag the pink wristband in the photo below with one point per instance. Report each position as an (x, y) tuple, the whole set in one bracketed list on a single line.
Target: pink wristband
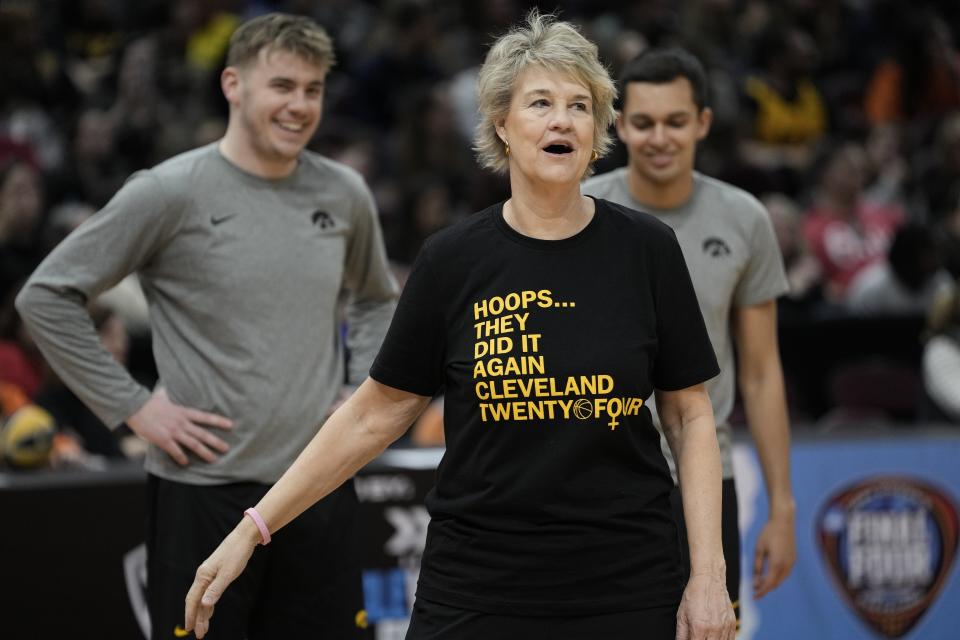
[(261, 525)]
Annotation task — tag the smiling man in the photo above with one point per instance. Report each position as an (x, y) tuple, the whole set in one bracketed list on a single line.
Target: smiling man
[(242, 247), (737, 271)]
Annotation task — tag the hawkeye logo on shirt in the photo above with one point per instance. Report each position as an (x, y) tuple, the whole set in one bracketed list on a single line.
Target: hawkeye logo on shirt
[(512, 382), (716, 247), (322, 219)]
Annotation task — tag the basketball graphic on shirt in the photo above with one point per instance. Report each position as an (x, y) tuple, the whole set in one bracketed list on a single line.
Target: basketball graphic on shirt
[(583, 408)]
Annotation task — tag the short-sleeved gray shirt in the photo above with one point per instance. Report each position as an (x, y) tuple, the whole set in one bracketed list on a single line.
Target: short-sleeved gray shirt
[(730, 248)]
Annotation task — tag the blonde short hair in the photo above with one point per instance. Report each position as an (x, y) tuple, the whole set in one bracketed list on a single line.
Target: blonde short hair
[(298, 35), (557, 46)]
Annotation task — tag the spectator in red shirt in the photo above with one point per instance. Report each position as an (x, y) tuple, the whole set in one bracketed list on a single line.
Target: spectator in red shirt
[(844, 230)]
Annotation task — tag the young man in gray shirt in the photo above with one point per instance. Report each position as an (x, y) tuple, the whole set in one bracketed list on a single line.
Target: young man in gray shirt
[(242, 248), (737, 272)]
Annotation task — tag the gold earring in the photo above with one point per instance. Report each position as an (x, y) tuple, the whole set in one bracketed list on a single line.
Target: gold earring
[(594, 156), (507, 147)]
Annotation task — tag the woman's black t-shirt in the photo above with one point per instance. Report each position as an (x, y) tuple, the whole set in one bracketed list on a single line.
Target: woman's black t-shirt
[(552, 497)]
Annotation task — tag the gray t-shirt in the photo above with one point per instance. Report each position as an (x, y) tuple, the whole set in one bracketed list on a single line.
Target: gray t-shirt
[(242, 276), (729, 245)]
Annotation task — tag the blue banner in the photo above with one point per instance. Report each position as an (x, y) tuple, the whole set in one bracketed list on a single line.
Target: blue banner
[(876, 540)]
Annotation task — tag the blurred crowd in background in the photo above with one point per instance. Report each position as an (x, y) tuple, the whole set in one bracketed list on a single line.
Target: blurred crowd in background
[(842, 116)]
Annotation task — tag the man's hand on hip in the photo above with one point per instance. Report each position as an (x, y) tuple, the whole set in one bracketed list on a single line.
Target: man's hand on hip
[(173, 427)]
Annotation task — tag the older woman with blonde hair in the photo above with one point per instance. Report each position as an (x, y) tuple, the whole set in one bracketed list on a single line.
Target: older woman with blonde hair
[(548, 319)]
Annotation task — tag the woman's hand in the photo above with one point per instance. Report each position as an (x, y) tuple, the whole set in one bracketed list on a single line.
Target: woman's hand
[(216, 573), (705, 611)]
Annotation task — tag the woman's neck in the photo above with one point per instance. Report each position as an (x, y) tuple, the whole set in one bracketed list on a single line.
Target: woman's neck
[(547, 212)]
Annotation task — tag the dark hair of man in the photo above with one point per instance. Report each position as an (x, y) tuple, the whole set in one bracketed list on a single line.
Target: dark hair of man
[(661, 66)]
